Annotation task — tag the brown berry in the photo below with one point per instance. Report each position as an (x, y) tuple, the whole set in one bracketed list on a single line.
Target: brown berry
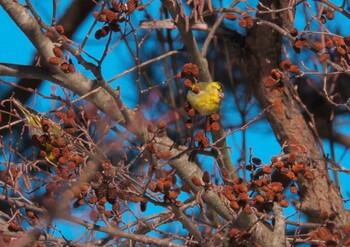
[(71, 68), (64, 67), (259, 199), (293, 189), (199, 136), (324, 57), (206, 177), (57, 51), (231, 16), (329, 42), (270, 82), (294, 69), (215, 117), (308, 175), (54, 60), (318, 46), (49, 34), (205, 142), (234, 205), (323, 19), (249, 21), (115, 27), (330, 14), (196, 181), (341, 51), (60, 29), (284, 203), (294, 32), (243, 23), (190, 70), (215, 126), (267, 169), (188, 83), (247, 210), (338, 41)]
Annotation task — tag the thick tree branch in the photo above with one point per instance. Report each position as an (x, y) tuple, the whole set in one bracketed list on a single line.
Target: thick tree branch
[(285, 117)]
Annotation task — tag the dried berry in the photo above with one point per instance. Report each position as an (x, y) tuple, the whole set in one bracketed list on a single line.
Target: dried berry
[(60, 29), (338, 41), (294, 32), (249, 20), (111, 16), (215, 117), (231, 16), (188, 83), (259, 199), (190, 70), (57, 51), (323, 19), (71, 68), (329, 42), (162, 125), (243, 196), (267, 169), (188, 124), (54, 60), (323, 57), (243, 23), (205, 142), (294, 69), (318, 46), (284, 203), (341, 51), (270, 82), (206, 177), (238, 180), (115, 27), (234, 205), (256, 161), (275, 74), (330, 14), (196, 181), (64, 67), (308, 175), (298, 43), (49, 34), (247, 210), (215, 126), (191, 112), (199, 136), (131, 5)]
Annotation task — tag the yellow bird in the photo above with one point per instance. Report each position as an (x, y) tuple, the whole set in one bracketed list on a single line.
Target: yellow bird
[(34, 121), (208, 99)]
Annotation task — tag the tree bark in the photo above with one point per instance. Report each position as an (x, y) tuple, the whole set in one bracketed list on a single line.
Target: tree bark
[(262, 54)]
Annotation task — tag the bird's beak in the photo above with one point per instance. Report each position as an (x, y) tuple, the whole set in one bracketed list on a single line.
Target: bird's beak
[(221, 95)]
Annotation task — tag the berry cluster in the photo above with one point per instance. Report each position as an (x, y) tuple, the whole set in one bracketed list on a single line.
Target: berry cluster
[(244, 22), (329, 234), (261, 192), (274, 81), (167, 186), (327, 14), (113, 16), (55, 147), (58, 59)]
